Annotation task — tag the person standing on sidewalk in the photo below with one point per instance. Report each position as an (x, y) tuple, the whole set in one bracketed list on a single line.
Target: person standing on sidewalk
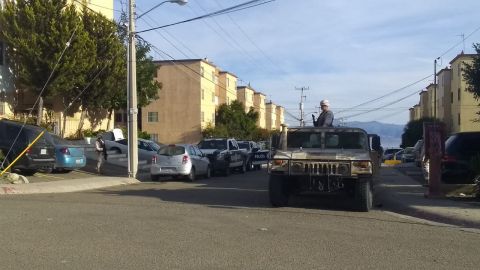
[(101, 152), (325, 119)]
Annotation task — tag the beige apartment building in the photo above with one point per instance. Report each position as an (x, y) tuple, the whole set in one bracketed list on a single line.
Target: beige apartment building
[(226, 91), (454, 106), (271, 116), (444, 98), (246, 95), (424, 102), (187, 101), (259, 106), (463, 104)]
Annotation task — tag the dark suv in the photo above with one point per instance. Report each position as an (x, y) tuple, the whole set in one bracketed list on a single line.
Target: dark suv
[(460, 148), (41, 156)]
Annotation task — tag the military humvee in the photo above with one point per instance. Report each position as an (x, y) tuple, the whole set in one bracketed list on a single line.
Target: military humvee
[(323, 160)]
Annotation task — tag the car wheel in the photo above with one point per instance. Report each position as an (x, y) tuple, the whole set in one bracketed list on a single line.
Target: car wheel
[(278, 191), (226, 171), (28, 172), (250, 166), (191, 175), (363, 195), (209, 172), (243, 168), (154, 177)]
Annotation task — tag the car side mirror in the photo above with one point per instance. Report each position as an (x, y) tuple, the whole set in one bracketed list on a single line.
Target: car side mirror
[(255, 149)]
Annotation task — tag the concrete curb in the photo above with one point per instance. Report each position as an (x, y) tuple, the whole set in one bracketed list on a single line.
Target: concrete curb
[(63, 186), (401, 194)]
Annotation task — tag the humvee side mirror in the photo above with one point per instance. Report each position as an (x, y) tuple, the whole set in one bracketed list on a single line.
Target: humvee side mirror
[(255, 149), (375, 142)]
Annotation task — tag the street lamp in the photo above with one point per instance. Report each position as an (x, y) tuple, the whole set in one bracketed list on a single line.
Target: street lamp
[(180, 2), (132, 87)]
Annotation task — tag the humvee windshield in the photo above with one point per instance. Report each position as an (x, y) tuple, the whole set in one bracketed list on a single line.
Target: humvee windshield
[(327, 140)]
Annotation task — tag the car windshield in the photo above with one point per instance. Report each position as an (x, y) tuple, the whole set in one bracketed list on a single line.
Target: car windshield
[(58, 140), (171, 150), (213, 144), (391, 151), (154, 146), (332, 140)]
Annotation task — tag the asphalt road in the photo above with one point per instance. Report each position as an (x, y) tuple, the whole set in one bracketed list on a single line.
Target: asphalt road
[(217, 223)]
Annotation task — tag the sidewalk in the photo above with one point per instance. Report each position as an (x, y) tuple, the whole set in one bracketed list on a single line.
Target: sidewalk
[(402, 194), (66, 185)]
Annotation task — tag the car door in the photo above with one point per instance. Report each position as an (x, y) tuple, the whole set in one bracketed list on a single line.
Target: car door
[(235, 154), (202, 160), (195, 159)]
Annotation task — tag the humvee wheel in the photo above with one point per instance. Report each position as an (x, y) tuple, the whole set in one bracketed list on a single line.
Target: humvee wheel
[(278, 191), (363, 195)]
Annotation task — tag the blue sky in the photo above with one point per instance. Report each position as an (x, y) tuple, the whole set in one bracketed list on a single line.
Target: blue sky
[(349, 52)]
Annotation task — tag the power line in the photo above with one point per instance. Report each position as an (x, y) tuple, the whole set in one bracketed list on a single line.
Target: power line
[(461, 42), (96, 5), (216, 13)]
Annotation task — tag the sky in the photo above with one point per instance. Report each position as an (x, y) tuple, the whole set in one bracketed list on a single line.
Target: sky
[(349, 52)]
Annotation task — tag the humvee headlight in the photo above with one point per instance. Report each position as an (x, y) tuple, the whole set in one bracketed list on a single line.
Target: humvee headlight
[(361, 167), (279, 164)]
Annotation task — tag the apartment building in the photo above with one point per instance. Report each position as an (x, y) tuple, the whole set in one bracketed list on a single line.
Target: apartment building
[(453, 105), (226, 90), (443, 104), (424, 102), (271, 116), (259, 106), (187, 101), (246, 95), (280, 117), (463, 104)]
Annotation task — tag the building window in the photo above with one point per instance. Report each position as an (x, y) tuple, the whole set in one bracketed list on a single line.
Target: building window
[(213, 117), (213, 97), (228, 100), (203, 94), (202, 71), (213, 76), (451, 97), (458, 94), (228, 82), (154, 137), (202, 117), (152, 117), (459, 119), (459, 69)]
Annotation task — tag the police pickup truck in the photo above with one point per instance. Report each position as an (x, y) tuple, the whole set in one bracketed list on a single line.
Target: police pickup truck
[(224, 155)]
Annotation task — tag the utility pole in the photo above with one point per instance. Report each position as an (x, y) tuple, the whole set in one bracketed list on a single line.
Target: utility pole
[(435, 88), (132, 95), (302, 99)]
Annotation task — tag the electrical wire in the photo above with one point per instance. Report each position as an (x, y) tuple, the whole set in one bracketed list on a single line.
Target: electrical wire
[(216, 13)]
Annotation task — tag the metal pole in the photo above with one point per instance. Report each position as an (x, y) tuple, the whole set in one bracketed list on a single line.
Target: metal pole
[(435, 89), (132, 90)]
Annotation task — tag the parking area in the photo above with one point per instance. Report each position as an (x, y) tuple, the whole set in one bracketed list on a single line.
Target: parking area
[(47, 177)]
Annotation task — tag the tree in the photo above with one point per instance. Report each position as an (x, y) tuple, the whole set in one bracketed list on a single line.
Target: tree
[(472, 76), (232, 121), (413, 131), (37, 33)]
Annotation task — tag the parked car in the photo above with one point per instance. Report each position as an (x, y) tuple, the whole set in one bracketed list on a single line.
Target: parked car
[(183, 160), (389, 153), (418, 152), (68, 156), (407, 155), (224, 155), (460, 148), (41, 156), (146, 148)]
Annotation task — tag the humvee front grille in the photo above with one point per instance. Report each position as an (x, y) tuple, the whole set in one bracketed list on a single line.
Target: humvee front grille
[(325, 168)]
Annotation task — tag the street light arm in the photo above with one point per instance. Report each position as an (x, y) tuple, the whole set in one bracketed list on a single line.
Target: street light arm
[(180, 2)]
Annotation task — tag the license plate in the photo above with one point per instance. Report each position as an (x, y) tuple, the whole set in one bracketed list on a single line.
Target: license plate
[(260, 157), (43, 151), (79, 161)]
